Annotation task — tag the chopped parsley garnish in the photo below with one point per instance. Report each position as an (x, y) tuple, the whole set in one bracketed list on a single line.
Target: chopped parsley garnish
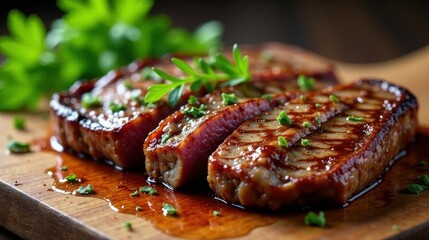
[(71, 178), (306, 124), (334, 98), (313, 219), (128, 85), (192, 100), (64, 168), (415, 188), (128, 226), (303, 97), (134, 194), (165, 137), (305, 83), (169, 210), (319, 119), (89, 101), (139, 208), (85, 190), (117, 107), (195, 112), (305, 142), (422, 163), (148, 190), (18, 147), (229, 99), (282, 141), (317, 105), (216, 213), (283, 118), (355, 119), (19, 123), (424, 179), (267, 96)]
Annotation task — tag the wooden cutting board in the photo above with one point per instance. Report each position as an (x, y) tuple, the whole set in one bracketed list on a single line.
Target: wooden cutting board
[(29, 207)]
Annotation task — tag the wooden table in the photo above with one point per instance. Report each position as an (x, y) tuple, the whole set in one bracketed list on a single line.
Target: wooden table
[(30, 210)]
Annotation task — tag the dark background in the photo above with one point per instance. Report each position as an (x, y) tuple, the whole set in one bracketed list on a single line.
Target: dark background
[(353, 31)]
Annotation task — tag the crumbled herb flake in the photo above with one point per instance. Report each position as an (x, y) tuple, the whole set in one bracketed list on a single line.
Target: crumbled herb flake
[(19, 123), (169, 210), (216, 213), (64, 168), (303, 97), (139, 208), (334, 98), (134, 194), (355, 119), (117, 107), (395, 228), (283, 118), (229, 99), (282, 141), (85, 190), (192, 100), (148, 190), (165, 137), (422, 163), (128, 85), (128, 226), (195, 112), (415, 188), (18, 147), (266, 56), (305, 142), (306, 124), (71, 178), (319, 119), (267, 96), (424, 179), (313, 219), (306, 83), (89, 101), (317, 105)]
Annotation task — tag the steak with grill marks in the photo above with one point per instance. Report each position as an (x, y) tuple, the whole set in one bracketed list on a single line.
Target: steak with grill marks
[(336, 146)]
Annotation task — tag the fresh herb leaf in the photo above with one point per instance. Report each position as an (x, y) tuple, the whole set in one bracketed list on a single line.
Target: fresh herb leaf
[(165, 137), (202, 75), (90, 39), (89, 101), (305, 142), (216, 213), (148, 190), (169, 210), (192, 100), (424, 179), (18, 147), (306, 83), (283, 118), (85, 190), (306, 124), (334, 98), (19, 123), (282, 141), (313, 219), (355, 119), (229, 99), (195, 112), (415, 188), (71, 178)]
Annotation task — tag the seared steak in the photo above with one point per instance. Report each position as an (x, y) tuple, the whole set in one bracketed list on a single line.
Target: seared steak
[(337, 142), (177, 150), (113, 122)]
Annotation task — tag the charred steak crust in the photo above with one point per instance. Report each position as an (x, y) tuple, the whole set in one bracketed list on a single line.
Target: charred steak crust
[(118, 136), (177, 150), (340, 157)]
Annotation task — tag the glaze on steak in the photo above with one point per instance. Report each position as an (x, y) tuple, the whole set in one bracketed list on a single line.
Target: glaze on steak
[(345, 147), (118, 135), (177, 150)]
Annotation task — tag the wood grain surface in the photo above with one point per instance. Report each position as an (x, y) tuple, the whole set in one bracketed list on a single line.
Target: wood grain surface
[(31, 210)]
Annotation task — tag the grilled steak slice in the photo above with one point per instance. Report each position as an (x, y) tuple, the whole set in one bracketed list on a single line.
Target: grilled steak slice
[(177, 150), (116, 128), (343, 148)]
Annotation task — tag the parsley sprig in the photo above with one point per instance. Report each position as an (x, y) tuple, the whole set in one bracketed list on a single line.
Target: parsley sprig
[(204, 74)]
